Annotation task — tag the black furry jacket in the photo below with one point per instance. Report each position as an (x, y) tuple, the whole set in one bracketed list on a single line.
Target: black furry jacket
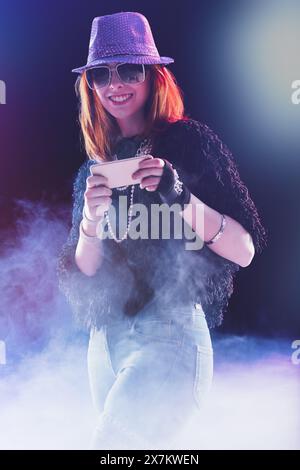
[(134, 271)]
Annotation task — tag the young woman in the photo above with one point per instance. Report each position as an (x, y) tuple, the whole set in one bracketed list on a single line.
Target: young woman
[(149, 301)]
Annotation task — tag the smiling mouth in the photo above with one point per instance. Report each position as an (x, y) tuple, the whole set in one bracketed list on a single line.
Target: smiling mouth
[(119, 99)]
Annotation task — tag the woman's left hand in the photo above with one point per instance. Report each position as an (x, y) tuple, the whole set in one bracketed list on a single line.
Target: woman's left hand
[(150, 171)]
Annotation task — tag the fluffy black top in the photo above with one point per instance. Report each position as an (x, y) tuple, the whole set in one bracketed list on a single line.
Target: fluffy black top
[(135, 271)]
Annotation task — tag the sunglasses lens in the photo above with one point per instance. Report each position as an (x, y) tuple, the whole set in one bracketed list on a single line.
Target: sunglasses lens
[(131, 73), (97, 77)]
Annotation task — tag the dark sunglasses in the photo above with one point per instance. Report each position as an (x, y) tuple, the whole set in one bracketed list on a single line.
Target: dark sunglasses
[(99, 77)]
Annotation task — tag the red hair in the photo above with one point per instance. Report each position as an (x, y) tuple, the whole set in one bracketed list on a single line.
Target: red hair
[(99, 129)]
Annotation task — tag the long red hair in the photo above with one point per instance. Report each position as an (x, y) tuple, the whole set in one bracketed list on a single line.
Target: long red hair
[(99, 129)]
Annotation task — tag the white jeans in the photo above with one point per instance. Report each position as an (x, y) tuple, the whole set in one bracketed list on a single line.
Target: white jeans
[(148, 377)]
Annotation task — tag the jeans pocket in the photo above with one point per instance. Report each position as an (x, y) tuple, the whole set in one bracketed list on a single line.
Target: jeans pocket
[(203, 373), (161, 330)]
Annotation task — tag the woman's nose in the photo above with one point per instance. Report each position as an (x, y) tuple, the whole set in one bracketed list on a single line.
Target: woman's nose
[(114, 77)]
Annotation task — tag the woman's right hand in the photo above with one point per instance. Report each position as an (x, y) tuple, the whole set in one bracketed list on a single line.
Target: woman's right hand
[(96, 197)]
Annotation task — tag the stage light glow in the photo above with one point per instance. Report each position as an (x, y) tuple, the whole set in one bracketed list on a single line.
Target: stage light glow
[(264, 45)]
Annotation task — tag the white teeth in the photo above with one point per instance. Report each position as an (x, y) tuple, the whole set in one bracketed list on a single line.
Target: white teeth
[(120, 98)]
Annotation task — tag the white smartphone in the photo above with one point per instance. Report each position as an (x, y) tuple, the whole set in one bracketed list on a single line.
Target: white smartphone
[(118, 172)]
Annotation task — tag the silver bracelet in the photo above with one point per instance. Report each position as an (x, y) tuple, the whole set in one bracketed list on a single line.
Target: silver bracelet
[(88, 238), (90, 220), (221, 230), (86, 217)]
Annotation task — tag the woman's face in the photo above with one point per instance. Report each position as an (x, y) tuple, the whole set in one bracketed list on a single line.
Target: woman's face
[(139, 92)]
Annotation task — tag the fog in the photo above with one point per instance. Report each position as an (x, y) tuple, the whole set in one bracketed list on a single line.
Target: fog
[(45, 399), (254, 403)]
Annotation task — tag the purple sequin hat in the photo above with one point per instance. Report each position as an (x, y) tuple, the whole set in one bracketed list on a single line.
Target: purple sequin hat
[(122, 37)]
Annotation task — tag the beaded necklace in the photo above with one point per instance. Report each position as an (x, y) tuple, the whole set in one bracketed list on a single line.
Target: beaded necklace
[(144, 149)]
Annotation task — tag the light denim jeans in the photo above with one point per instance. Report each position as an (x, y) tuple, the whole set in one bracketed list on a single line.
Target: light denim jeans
[(148, 377)]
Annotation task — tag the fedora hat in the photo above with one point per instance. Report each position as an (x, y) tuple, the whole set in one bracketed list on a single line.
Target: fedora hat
[(122, 37)]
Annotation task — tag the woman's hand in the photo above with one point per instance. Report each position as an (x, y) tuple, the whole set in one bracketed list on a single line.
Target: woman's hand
[(96, 197), (150, 171), (159, 174)]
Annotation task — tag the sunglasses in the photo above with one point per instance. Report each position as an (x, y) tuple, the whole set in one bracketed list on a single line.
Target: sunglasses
[(99, 77)]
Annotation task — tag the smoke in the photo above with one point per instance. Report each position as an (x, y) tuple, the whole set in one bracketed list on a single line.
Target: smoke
[(45, 402), (44, 390), (31, 309), (255, 398), (254, 402)]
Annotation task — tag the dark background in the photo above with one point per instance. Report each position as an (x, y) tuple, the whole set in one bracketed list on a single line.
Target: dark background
[(215, 66)]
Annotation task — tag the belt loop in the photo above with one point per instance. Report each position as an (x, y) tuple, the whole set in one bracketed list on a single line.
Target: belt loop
[(105, 330), (169, 327), (197, 306), (132, 322)]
